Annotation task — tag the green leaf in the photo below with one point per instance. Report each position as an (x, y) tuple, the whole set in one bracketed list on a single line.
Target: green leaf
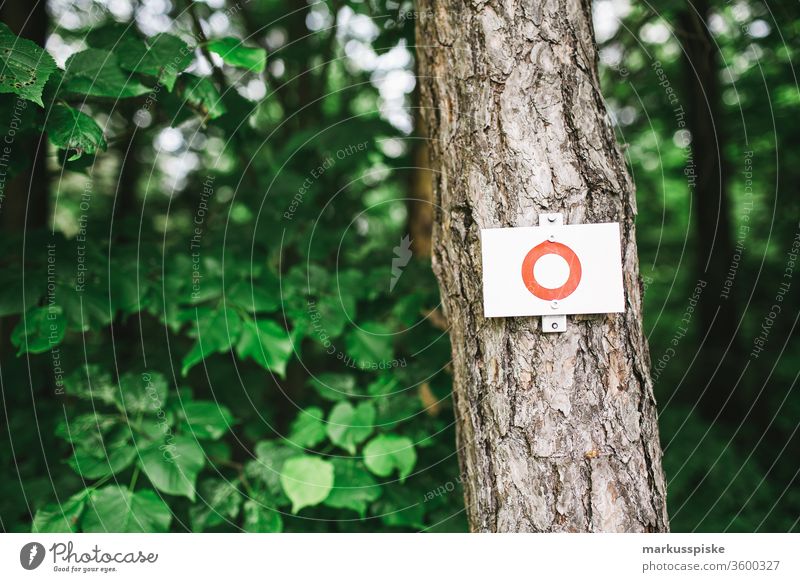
[(385, 386), (314, 302), (173, 466), (24, 66), (207, 420), (110, 35), (142, 393), (267, 466), (371, 345), (55, 518), (258, 297), (218, 503), (267, 343), (156, 426), (387, 452), (91, 382), (163, 56), (308, 429), (84, 310), (322, 319), (355, 488), (74, 131), (261, 519), (217, 452), (163, 301), (97, 463), (216, 331), (234, 53), (396, 408), (86, 428), (211, 289), (201, 94), (306, 480), (334, 387), (115, 509), (348, 426), (39, 330), (97, 72)]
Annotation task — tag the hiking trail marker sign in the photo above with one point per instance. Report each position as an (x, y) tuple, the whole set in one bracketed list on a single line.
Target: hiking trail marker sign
[(552, 270)]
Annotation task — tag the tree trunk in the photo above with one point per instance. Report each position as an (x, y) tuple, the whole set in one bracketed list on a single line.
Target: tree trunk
[(420, 198), (718, 314), (556, 432)]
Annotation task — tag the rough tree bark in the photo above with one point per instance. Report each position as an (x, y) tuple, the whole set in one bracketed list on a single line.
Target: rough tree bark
[(556, 432)]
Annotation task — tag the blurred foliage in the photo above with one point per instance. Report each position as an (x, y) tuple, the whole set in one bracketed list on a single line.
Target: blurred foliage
[(217, 332)]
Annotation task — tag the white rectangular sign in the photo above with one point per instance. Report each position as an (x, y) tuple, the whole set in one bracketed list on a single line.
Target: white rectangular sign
[(552, 270)]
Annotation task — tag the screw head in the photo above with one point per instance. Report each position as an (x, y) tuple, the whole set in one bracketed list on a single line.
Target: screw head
[(551, 218), (554, 325), (552, 238), (554, 304)]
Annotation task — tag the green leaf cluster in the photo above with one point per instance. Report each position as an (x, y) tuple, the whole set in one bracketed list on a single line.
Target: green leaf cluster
[(214, 365)]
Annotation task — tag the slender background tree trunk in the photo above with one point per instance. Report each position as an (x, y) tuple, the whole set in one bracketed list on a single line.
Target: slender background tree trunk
[(556, 432), (719, 314), (420, 187)]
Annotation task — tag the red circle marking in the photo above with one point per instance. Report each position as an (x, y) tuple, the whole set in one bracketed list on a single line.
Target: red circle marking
[(554, 248)]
